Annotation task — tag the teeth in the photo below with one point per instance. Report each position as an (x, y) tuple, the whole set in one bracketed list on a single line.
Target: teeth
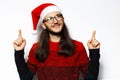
[(56, 26)]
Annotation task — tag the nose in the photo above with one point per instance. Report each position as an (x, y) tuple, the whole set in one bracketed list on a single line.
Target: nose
[(55, 20)]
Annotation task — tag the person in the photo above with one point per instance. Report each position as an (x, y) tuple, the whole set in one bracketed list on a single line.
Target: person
[(55, 56)]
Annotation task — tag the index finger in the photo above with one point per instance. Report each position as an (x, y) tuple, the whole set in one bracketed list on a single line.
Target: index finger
[(93, 34), (20, 33)]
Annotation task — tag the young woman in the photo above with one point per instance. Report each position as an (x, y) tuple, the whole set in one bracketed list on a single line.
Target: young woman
[(56, 56)]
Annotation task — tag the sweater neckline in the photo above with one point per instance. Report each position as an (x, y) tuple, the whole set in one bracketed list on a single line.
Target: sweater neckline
[(54, 42)]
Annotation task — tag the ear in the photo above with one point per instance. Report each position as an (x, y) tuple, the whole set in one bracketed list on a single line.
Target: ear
[(43, 26)]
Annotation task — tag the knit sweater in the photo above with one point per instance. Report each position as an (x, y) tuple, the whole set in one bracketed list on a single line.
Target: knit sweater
[(55, 67)]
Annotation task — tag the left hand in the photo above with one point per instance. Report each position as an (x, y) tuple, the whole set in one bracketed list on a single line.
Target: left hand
[(93, 43)]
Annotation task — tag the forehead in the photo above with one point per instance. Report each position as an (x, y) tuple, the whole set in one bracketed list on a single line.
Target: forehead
[(51, 14)]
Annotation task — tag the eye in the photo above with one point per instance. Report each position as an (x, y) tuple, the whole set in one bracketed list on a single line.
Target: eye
[(59, 15), (48, 19)]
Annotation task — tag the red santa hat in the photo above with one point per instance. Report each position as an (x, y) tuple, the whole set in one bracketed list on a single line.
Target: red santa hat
[(40, 12)]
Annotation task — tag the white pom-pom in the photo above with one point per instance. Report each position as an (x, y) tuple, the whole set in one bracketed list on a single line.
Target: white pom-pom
[(34, 32)]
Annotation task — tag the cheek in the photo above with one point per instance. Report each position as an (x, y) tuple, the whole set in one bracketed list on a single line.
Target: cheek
[(62, 24), (47, 25)]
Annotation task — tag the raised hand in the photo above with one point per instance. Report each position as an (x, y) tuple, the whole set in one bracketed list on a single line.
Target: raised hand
[(93, 43), (20, 42)]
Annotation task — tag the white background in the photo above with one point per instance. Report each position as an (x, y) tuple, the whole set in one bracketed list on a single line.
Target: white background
[(82, 17)]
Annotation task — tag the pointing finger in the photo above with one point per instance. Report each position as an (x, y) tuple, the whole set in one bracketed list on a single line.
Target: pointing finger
[(20, 33), (93, 35)]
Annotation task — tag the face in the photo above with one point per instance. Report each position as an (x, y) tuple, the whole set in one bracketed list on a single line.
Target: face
[(53, 22)]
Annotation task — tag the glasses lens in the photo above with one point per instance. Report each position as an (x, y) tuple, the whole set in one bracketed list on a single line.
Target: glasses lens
[(51, 19), (58, 16)]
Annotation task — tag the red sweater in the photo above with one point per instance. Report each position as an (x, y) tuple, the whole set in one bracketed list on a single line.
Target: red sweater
[(57, 67)]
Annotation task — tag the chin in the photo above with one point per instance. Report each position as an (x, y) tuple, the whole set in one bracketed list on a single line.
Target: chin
[(56, 30)]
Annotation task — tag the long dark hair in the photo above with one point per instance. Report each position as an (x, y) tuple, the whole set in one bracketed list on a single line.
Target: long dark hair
[(66, 45)]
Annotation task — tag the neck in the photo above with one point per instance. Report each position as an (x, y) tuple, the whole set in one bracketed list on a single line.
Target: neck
[(54, 38)]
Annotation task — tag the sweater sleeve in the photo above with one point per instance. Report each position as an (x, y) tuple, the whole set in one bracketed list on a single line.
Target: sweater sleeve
[(22, 67), (93, 68)]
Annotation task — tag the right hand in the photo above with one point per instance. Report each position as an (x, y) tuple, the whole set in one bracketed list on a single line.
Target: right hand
[(20, 42), (93, 43)]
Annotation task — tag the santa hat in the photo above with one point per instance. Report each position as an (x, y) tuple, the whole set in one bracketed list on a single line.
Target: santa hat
[(40, 12)]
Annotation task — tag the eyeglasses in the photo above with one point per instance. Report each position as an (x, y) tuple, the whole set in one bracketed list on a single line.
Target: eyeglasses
[(50, 20)]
